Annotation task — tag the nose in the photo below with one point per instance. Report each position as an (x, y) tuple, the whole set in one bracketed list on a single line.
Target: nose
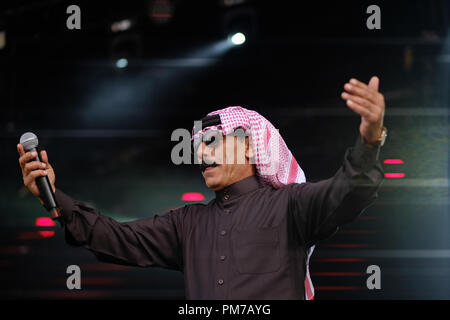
[(204, 153)]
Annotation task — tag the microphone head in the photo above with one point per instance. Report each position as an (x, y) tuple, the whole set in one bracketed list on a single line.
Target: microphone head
[(29, 141)]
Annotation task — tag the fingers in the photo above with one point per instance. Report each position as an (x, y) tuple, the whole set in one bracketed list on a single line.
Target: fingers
[(26, 157), (34, 165), (362, 111), (360, 101), (20, 150), (33, 175), (365, 99), (365, 91), (360, 90), (44, 157), (363, 107), (359, 84), (374, 83)]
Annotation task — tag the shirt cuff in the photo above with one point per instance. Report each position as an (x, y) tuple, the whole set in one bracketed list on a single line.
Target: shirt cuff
[(66, 204), (364, 156)]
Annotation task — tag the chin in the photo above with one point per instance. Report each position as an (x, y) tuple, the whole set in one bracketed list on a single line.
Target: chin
[(212, 183)]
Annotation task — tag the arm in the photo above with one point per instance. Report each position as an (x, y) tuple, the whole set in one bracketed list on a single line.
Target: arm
[(146, 242), (318, 209), (151, 242)]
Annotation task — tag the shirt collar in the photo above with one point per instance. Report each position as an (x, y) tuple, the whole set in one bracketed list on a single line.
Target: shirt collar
[(238, 188)]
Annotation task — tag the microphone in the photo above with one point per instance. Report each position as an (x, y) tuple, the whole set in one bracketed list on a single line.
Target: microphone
[(30, 142)]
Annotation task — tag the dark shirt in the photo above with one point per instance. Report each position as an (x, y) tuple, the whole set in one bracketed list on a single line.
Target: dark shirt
[(250, 242)]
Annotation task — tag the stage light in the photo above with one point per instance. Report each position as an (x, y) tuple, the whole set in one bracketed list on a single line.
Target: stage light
[(44, 222), (122, 63), (125, 47), (161, 11), (239, 25), (393, 161), (46, 234), (394, 175), (121, 25), (192, 196), (238, 38)]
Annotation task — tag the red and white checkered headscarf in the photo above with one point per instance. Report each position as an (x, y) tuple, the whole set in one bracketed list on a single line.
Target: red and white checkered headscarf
[(275, 164)]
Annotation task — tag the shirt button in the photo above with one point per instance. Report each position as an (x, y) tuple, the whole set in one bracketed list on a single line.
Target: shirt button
[(223, 232), (227, 211), (222, 258), (220, 282), (226, 197)]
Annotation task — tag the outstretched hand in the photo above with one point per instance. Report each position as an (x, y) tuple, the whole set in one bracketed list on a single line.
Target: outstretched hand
[(365, 100)]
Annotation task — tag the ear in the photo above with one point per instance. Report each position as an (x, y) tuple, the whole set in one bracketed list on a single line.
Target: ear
[(248, 148)]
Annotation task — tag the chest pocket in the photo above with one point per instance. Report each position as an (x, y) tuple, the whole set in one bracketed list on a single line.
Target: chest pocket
[(256, 251)]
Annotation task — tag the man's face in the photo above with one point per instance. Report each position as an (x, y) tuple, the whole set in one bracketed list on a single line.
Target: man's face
[(224, 159)]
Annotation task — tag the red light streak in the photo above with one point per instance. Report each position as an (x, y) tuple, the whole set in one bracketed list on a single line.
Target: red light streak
[(104, 266), (35, 235), (192, 196), (160, 15), (14, 250), (338, 288), (102, 281), (32, 235), (44, 222), (394, 175), (338, 274), (46, 234), (357, 231), (85, 294), (340, 259), (348, 245), (394, 161)]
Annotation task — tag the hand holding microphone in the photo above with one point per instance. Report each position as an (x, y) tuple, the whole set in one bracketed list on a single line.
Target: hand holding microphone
[(38, 174)]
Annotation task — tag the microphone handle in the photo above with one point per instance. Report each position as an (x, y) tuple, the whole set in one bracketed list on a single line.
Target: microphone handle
[(47, 195)]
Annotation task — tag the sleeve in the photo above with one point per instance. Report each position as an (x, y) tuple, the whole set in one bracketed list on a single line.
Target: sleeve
[(319, 208), (150, 242)]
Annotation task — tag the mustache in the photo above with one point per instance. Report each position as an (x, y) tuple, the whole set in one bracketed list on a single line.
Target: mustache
[(204, 165)]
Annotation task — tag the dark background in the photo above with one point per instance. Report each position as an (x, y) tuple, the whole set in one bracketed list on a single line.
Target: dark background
[(107, 130)]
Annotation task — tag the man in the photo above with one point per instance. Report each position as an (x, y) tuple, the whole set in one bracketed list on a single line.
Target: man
[(254, 239)]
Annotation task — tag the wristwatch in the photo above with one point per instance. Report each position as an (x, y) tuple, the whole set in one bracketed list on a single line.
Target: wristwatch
[(383, 136), (382, 139)]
